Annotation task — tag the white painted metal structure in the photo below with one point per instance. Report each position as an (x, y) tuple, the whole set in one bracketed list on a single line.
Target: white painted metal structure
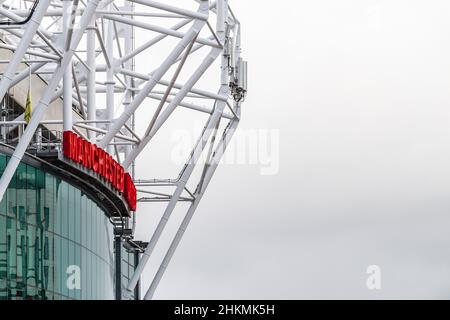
[(85, 51)]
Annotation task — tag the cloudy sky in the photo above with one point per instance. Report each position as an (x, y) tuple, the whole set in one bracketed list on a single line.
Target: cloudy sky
[(350, 103)]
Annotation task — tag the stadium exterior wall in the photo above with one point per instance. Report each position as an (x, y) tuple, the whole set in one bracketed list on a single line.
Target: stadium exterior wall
[(51, 233)]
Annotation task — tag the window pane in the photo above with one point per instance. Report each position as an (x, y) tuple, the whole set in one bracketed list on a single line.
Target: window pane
[(46, 225), (3, 257), (11, 248)]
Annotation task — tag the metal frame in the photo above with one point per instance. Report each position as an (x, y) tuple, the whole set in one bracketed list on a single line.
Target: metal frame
[(84, 50)]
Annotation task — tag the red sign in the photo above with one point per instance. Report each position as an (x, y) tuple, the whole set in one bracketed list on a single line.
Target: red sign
[(92, 157)]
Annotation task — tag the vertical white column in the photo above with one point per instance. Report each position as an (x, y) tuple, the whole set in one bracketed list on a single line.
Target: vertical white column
[(45, 100), (190, 35), (27, 36), (110, 76), (128, 46), (67, 78), (91, 102), (222, 10), (156, 76)]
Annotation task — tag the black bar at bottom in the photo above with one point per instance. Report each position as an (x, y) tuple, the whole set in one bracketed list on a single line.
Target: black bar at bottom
[(235, 309)]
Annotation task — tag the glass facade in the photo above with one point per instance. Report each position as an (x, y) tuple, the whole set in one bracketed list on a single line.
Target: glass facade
[(127, 267), (55, 241)]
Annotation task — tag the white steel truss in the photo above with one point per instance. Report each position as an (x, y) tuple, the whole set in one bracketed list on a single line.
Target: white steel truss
[(84, 51)]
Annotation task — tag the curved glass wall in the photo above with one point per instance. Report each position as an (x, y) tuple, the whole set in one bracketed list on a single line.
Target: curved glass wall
[(55, 241)]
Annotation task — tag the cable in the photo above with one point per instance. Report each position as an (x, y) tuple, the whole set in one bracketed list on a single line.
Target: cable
[(10, 23)]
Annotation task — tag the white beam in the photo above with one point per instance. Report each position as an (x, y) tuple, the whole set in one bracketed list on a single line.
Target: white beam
[(45, 99), (23, 46), (67, 77), (158, 74)]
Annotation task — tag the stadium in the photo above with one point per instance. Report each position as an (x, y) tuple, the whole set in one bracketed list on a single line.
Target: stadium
[(72, 84)]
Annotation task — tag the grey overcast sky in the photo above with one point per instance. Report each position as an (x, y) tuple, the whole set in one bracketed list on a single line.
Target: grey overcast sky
[(359, 93)]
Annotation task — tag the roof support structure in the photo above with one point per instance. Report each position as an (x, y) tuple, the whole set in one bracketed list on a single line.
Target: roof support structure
[(45, 99), (22, 47), (156, 76), (196, 152), (86, 80), (198, 195)]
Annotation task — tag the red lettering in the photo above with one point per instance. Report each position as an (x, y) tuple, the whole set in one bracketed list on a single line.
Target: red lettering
[(108, 167), (114, 173), (130, 192), (87, 154), (94, 153), (118, 177), (101, 161), (80, 152), (116, 170), (74, 147), (111, 169), (122, 179), (90, 156), (67, 144), (105, 163)]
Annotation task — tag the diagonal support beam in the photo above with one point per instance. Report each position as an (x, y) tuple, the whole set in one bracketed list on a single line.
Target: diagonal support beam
[(181, 184), (45, 99), (157, 75), (169, 87), (207, 62), (155, 28), (188, 169), (198, 195), (165, 7), (152, 42), (23, 46)]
